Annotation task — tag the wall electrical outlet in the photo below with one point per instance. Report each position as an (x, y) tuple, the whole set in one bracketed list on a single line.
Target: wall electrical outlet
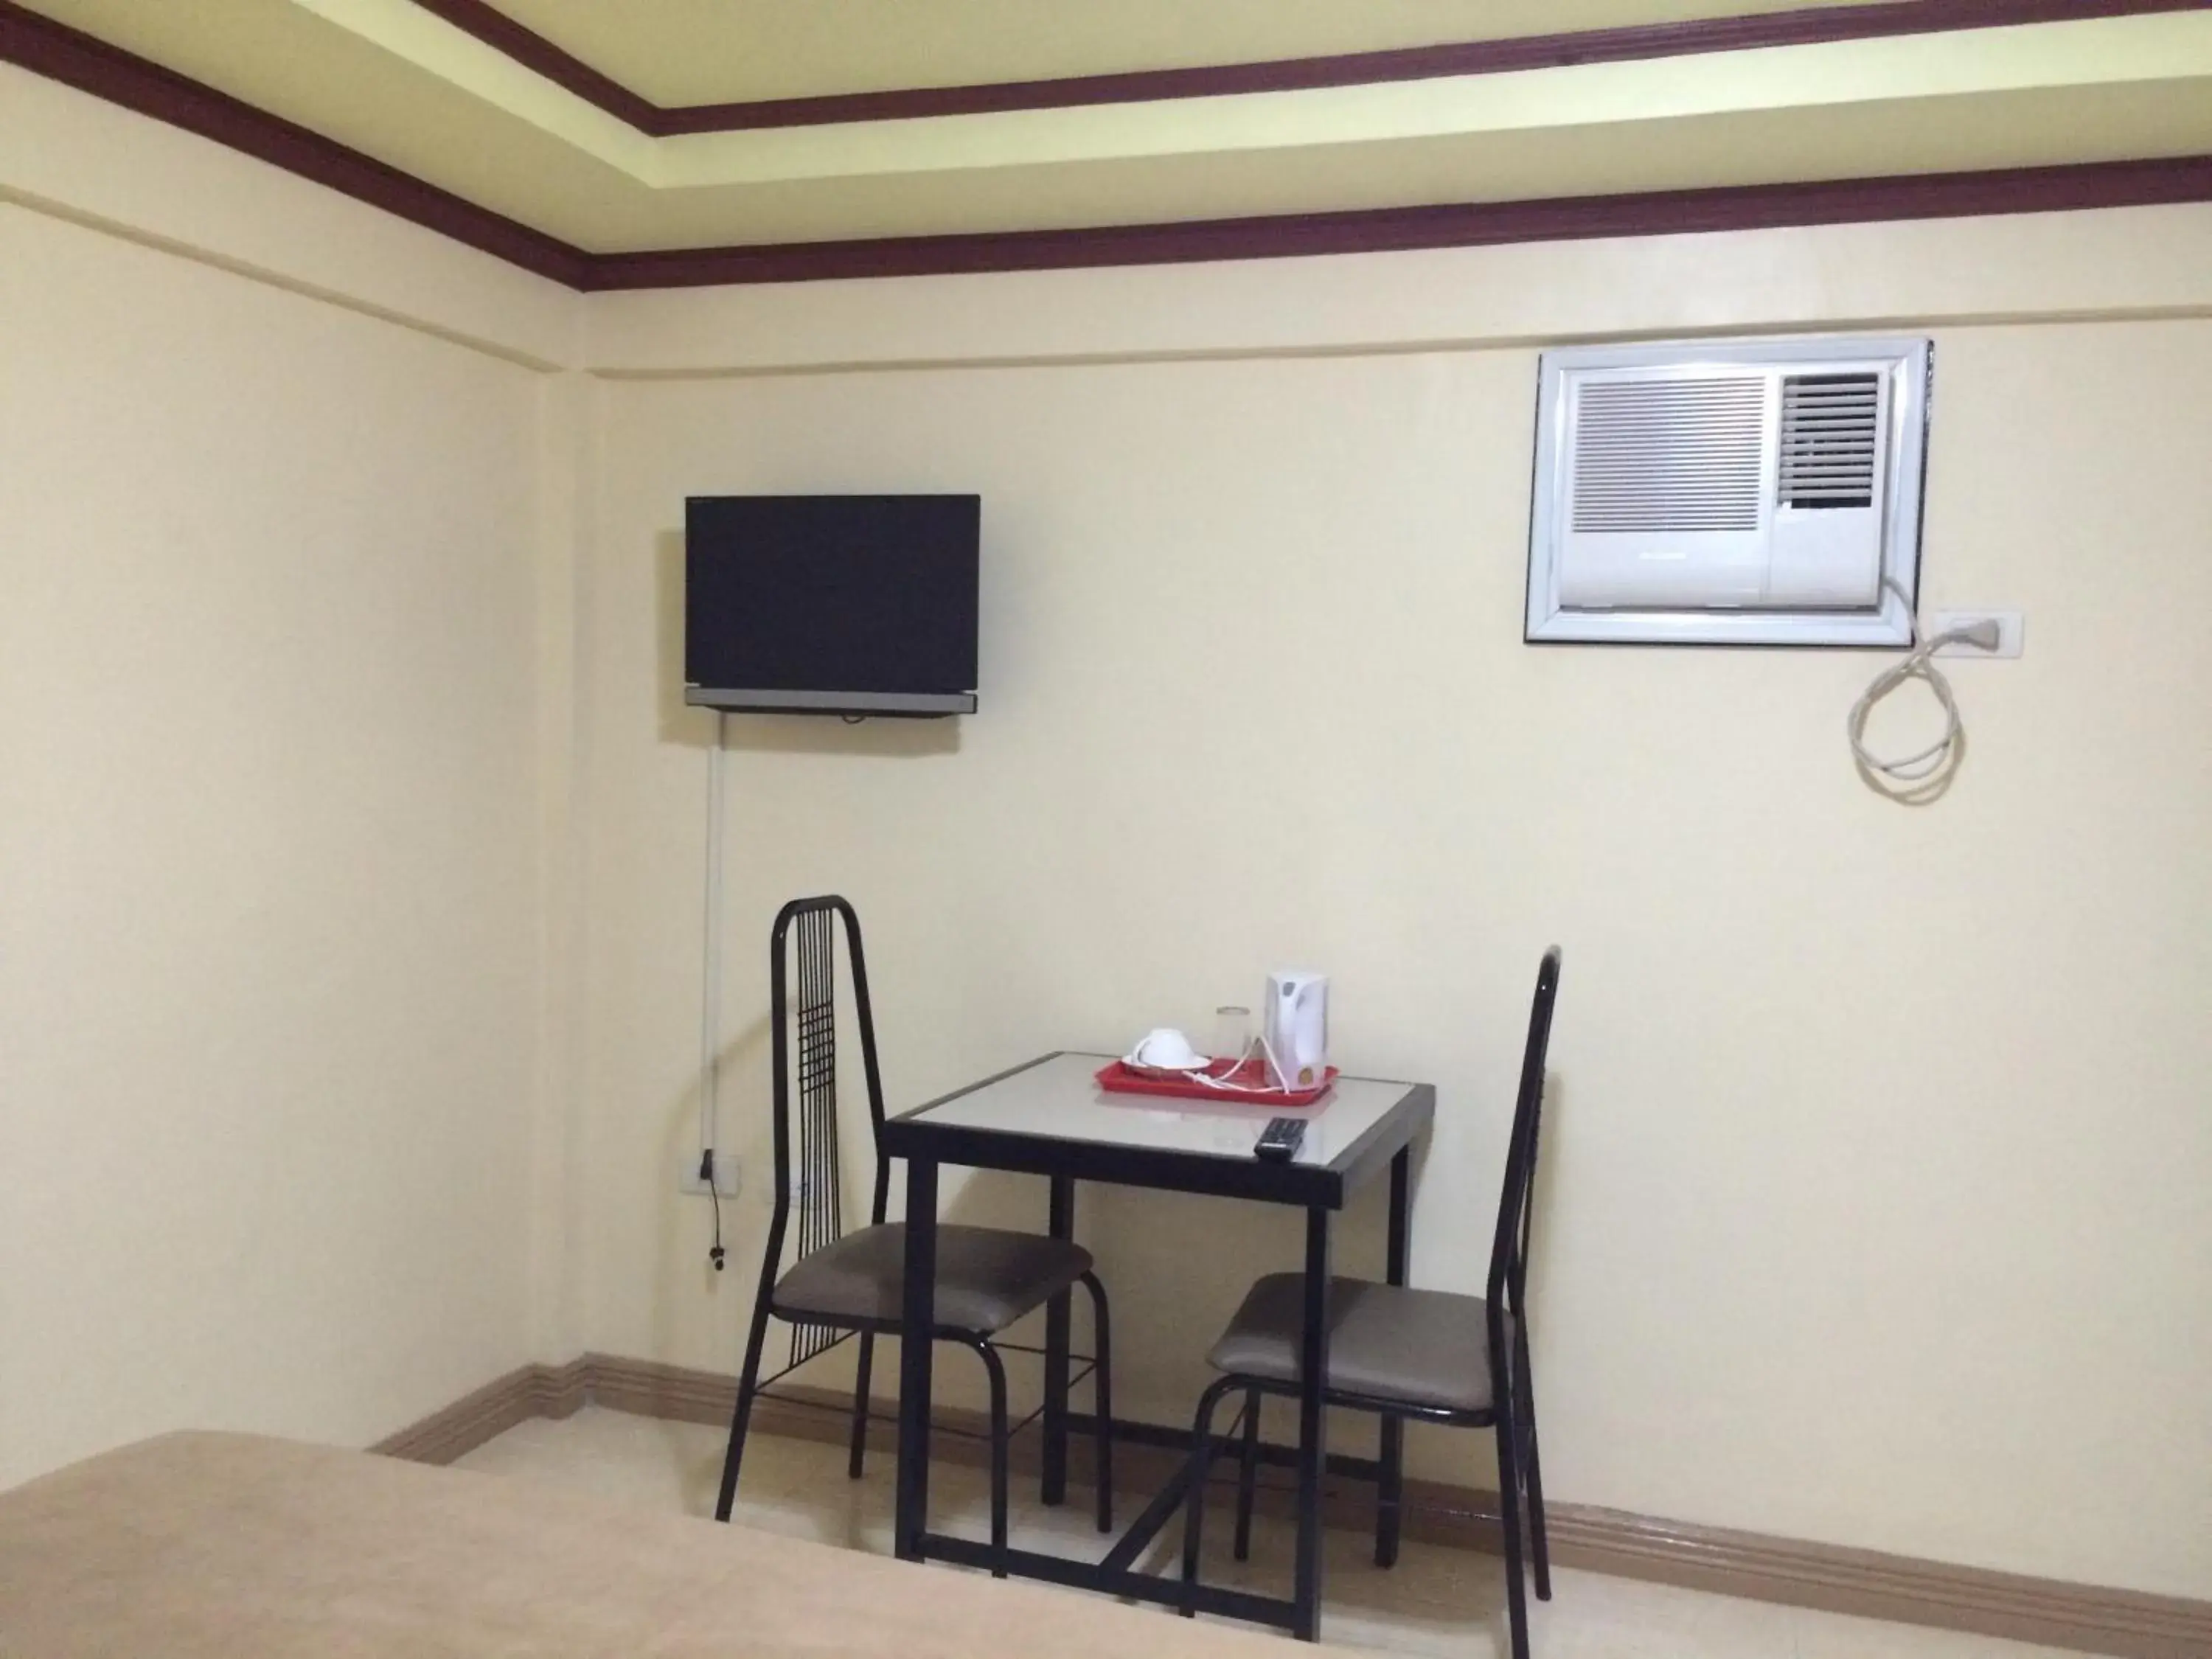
[(728, 1173), (2012, 632)]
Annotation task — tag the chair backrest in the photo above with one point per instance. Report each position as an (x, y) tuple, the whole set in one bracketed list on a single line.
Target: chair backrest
[(1509, 1249), (803, 1002)]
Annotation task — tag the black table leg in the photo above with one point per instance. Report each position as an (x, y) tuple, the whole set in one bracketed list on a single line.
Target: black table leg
[(1313, 1426), (918, 1319), (1061, 1224), (1390, 1494)]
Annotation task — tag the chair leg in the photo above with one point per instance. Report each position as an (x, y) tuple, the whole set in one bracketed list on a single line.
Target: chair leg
[(855, 1463), (1201, 1459), (1247, 1474), (1508, 1507), (741, 1419), (997, 1370), (1524, 1396), (1102, 1396), (1390, 1491)]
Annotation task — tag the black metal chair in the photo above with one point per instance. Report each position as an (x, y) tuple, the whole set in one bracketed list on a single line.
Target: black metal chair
[(1428, 1356), (845, 1285)]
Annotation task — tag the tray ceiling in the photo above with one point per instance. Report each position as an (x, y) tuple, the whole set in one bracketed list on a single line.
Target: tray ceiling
[(399, 82), (705, 51)]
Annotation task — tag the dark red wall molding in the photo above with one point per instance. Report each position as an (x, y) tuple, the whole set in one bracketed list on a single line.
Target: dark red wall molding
[(49, 48), (1789, 29), (1751, 207), (533, 51), (92, 65)]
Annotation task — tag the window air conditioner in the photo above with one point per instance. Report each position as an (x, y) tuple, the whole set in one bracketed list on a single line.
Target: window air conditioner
[(1755, 492)]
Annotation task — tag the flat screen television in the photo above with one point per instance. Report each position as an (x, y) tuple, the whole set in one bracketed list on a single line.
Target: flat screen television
[(844, 605)]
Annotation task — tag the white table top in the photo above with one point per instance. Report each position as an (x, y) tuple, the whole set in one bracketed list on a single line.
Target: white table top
[(1060, 1097)]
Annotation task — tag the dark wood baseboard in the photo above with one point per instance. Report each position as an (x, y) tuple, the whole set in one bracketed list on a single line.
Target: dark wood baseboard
[(1868, 1583), (457, 1430)]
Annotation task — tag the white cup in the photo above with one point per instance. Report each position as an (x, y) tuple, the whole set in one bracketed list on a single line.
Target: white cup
[(1166, 1049)]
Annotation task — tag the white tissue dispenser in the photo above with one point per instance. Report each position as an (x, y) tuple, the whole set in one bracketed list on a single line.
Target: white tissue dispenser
[(1296, 1029)]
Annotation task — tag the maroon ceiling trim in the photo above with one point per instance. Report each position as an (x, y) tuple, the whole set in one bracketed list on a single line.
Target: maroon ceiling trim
[(533, 51), (1748, 207), (39, 44), (1811, 27), (79, 60)]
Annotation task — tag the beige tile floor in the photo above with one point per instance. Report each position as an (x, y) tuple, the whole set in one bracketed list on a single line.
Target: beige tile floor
[(1436, 1600)]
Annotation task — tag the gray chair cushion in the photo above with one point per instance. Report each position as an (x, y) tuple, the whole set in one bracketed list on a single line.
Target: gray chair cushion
[(986, 1279), (1423, 1348)]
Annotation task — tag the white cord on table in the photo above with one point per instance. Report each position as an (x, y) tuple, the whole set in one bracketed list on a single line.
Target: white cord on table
[(1263, 1087), (1223, 1083), (1918, 778)]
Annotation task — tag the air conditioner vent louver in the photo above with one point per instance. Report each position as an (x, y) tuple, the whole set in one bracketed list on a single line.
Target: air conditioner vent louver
[(1656, 455), (1831, 425)]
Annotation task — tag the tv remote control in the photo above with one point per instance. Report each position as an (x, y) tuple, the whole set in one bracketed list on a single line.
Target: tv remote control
[(1279, 1141)]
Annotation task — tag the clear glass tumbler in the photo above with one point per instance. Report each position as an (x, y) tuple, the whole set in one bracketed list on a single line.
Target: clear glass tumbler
[(1232, 1035)]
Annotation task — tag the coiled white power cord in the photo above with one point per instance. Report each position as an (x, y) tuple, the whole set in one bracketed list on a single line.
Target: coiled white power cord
[(1916, 779)]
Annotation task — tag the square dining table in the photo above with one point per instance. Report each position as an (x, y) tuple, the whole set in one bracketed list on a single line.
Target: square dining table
[(1050, 1117)]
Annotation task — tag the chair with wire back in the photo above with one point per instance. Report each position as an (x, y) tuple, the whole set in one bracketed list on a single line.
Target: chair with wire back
[(1423, 1355), (840, 1286)]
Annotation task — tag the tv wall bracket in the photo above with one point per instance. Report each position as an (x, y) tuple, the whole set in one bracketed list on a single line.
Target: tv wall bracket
[(898, 705)]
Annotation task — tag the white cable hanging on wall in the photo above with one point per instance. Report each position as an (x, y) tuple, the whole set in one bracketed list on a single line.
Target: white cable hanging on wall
[(710, 996), (1918, 778)]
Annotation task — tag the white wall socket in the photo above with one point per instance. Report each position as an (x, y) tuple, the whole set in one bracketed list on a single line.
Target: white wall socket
[(2012, 632), (728, 1173)]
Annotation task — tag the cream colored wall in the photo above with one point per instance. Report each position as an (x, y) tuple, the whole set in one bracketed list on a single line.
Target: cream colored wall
[(270, 833), (1872, 1203), (73, 156), (352, 904)]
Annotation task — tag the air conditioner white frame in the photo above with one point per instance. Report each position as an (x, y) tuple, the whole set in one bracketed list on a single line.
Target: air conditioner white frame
[(1887, 625)]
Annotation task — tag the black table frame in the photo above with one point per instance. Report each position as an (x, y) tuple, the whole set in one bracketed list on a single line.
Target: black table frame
[(1321, 1190)]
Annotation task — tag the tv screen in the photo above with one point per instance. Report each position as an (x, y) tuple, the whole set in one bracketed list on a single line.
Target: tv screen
[(858, 597)]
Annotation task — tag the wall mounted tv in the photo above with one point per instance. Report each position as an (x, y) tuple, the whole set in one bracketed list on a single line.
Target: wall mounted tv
[(831, 605)]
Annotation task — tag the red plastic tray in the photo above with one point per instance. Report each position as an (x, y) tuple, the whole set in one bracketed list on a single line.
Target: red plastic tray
[(1116, 1078)]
